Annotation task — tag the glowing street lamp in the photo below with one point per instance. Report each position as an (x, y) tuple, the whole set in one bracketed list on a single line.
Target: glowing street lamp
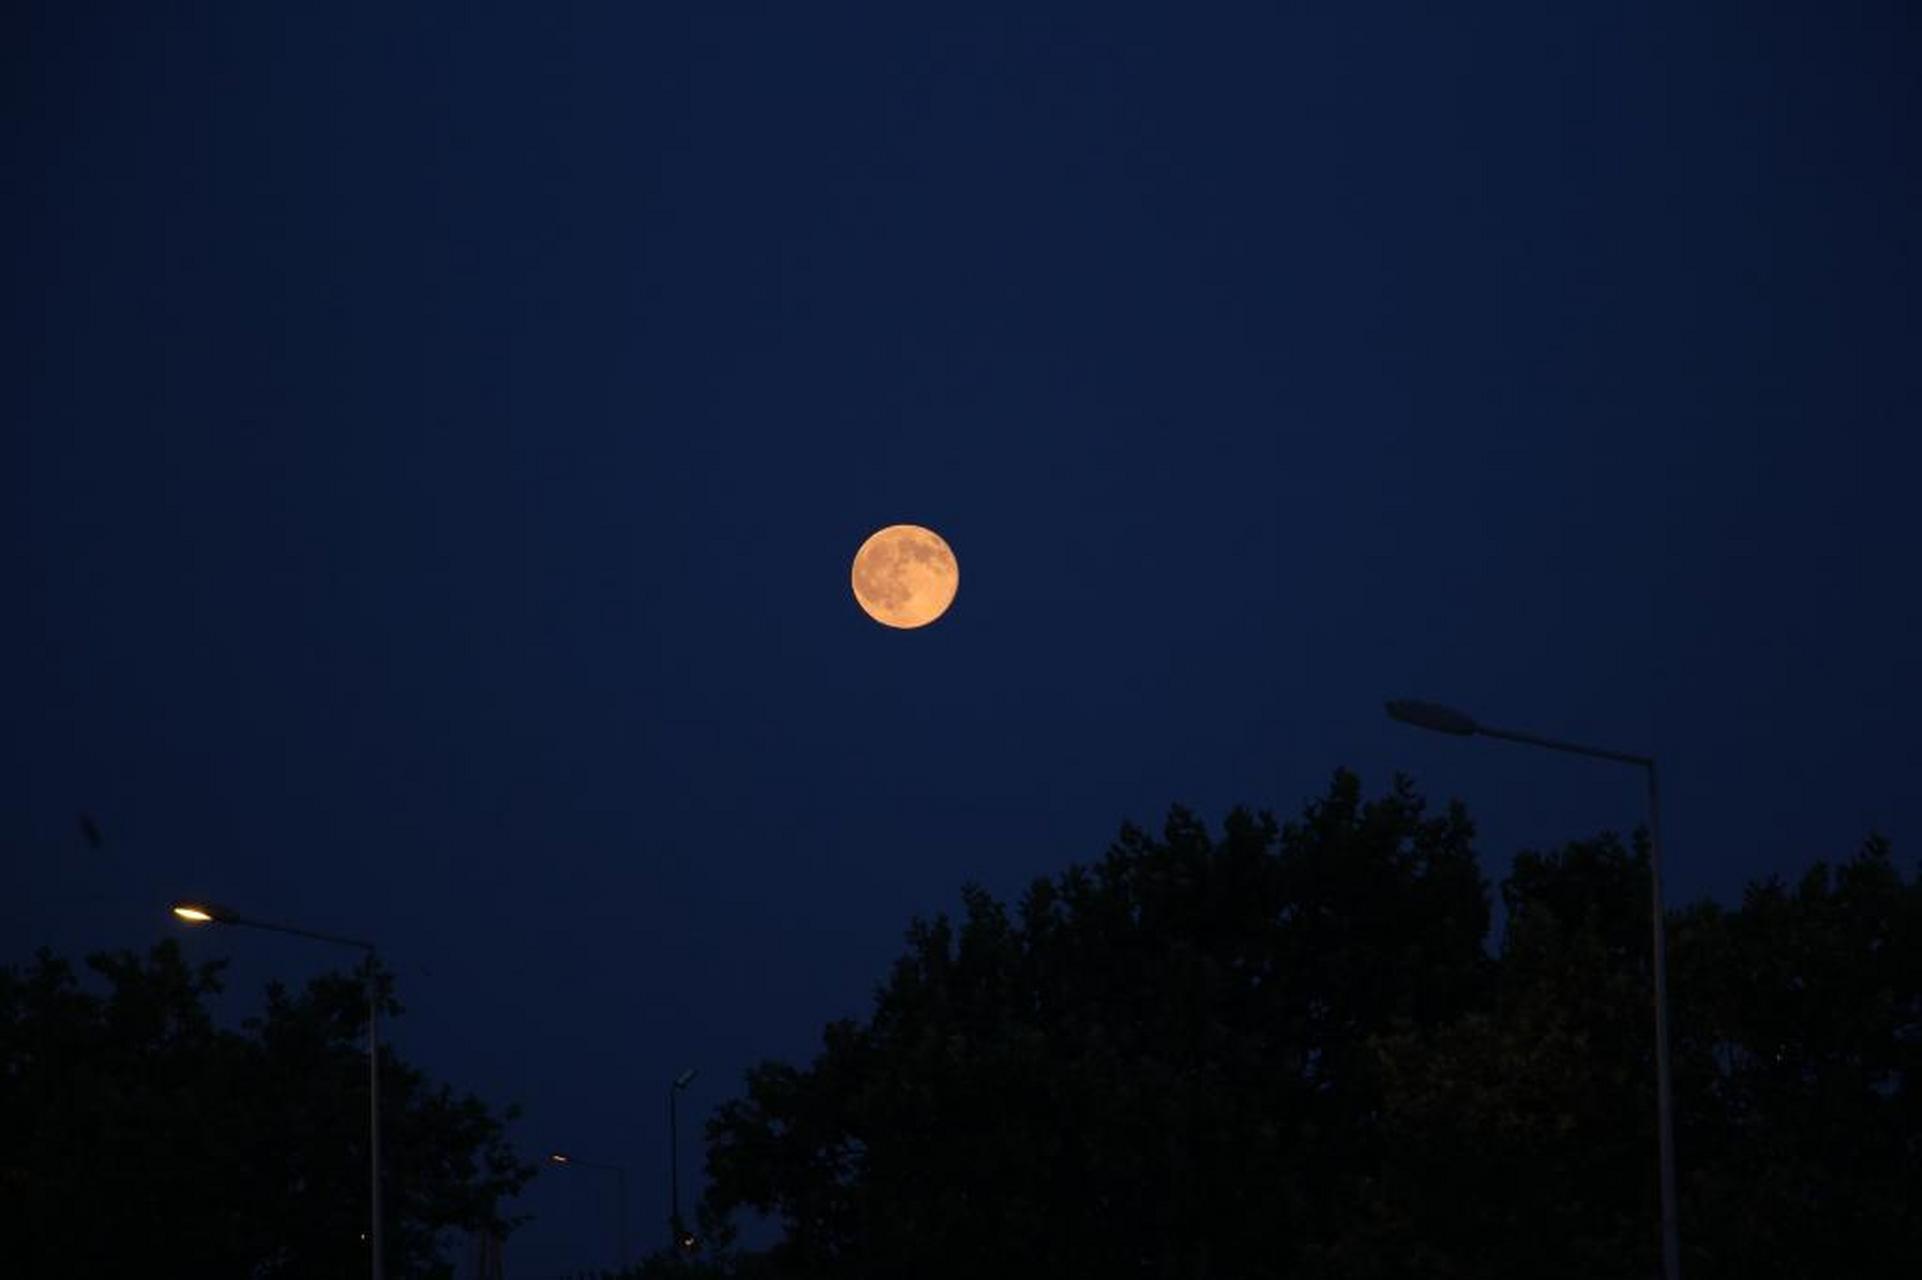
[(1440, 719), (195, 912), (620, 1189)]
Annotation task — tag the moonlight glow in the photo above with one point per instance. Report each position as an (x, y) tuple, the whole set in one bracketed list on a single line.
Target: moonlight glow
[(905, 576)]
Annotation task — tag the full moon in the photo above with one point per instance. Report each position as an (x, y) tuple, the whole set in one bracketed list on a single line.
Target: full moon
[(905, 576)]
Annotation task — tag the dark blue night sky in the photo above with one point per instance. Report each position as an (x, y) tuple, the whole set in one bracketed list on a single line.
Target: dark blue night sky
[(436, 439)]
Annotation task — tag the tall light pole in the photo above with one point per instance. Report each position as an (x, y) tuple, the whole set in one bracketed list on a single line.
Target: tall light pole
[(620, 1189), (1440, 719), (683, 1238), (198, 913)]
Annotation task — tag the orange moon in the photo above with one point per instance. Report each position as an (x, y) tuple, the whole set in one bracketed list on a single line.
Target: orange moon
[(905, 576)]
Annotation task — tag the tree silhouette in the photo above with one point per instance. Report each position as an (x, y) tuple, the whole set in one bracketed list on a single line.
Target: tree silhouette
[(142, 1140), (1803, 1052), (1288, 1051), (1158, 1067)]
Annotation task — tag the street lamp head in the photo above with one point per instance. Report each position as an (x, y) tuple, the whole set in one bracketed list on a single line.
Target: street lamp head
[(559, 1158), (1433, 716), (194, 912), (680, 1081)]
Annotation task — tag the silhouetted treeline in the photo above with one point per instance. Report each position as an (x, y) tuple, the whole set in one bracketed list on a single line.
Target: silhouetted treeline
[(139, 1140), (1289, 1051)]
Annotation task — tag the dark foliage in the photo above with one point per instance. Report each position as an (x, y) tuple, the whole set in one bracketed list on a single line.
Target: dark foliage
[(142, 1140), (1288, 1052)]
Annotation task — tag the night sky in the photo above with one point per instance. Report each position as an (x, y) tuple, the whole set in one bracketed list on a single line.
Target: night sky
[(436, 438)]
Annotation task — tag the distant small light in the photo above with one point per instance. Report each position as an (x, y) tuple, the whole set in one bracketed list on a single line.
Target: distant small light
[(193, 915), (558, 1158)]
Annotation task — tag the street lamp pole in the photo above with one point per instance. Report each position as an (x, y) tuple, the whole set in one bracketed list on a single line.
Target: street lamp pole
[(620, 1189), (682, 1241), (1441, 719), (198, 913)]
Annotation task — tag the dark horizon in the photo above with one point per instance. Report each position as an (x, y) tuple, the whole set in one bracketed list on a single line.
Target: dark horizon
[(442, 438)]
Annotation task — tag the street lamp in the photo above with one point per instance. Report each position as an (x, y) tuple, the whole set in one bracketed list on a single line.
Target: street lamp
[(1440, 719), (620, 1189), (683, 1238), (195, 912)]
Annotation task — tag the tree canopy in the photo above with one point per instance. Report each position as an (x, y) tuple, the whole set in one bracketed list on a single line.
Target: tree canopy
[(1289, 1050), (142, 1139)]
